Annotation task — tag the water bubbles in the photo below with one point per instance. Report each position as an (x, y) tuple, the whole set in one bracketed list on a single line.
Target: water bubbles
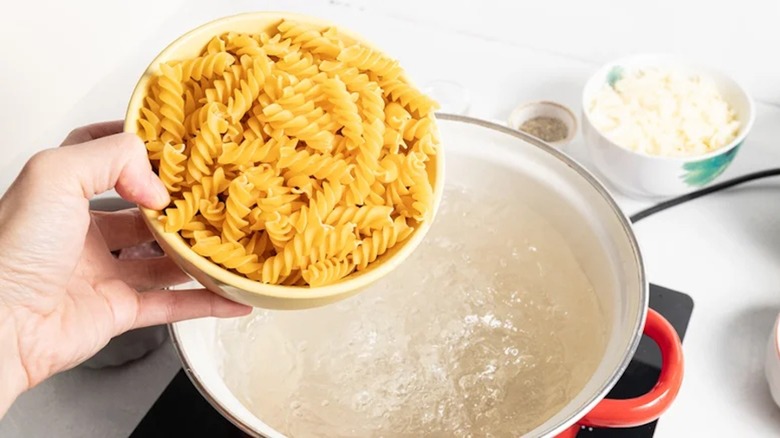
[(360, 400), (371, 337), (469, 338)]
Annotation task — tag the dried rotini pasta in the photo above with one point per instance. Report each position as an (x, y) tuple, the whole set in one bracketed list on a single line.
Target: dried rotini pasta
[(293, 156)]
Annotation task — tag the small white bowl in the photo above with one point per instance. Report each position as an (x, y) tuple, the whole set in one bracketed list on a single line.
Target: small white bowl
[(648, 176), (530, 110)]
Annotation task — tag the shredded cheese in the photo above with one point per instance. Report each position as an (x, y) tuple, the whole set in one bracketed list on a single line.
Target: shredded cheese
[(664, 113)]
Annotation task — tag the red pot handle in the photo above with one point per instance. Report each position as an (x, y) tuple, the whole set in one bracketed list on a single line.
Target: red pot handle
[(648, 407)]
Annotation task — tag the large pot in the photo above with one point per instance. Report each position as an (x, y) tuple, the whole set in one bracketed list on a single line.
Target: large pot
[(598, 234)]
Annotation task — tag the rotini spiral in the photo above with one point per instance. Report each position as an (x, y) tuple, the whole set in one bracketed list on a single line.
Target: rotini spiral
[(205, 145), (280, 230), (199, 117), (327, 271), (231, 254), (273, 271), (237, 207), (366, 218), (399, 91), (171, 169), (420, 189), (183, 211), (345, 111), (420, 128), (365, 176), (213, 211), (240, 45), (292, 156), (277, 46), (380, 241), (220, 90), (396, 116), (422, 135), (150, 126), (294, 255), (215, 45), (393, 141), (206, 66), (248, 91), (258, 244), (276, 202), (425, 146), (365, 58), (310, 39), (320, 166), (323, 202), (299, 64), (171, 103), (338, 242), (194, 226)]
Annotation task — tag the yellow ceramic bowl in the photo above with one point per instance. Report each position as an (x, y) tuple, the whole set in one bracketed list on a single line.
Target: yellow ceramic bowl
[(223, 281)]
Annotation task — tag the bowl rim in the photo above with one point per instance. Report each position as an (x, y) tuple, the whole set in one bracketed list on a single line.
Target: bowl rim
[(246, 286), (649, 59), (776, 338)]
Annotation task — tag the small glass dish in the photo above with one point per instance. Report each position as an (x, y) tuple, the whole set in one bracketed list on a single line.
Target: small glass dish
[(453, 97), (531, 110)]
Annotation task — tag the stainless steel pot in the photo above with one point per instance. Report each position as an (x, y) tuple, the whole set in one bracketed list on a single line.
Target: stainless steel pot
[(601, 239)]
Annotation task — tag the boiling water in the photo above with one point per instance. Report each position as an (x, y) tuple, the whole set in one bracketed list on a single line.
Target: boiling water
[(489, 329)]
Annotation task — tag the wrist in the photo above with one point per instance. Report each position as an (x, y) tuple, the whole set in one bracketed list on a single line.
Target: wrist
[(12, 373)]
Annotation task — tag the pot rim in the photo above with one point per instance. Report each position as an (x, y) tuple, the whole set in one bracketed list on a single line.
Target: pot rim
[(625, 224)]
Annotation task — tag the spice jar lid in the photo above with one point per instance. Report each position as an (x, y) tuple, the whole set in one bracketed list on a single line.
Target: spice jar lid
[(551, 122)]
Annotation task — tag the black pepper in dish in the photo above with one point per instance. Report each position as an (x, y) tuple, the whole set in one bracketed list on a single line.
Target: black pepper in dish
[(546, 128)]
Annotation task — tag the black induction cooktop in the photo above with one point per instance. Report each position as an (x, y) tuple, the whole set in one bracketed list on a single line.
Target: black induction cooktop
[(182, 411)]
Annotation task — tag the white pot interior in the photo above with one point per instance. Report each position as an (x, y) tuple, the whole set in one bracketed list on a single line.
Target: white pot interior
[(497, 160)]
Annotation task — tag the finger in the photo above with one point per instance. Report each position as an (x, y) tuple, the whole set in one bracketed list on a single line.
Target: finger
[(122, 229), (92, 132), (87, 169), (164, 307), (152, 273)]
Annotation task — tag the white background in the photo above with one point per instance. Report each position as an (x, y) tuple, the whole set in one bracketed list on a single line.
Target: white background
[(63, 64)]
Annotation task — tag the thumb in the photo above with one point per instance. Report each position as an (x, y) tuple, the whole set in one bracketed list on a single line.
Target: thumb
[(116, 161)]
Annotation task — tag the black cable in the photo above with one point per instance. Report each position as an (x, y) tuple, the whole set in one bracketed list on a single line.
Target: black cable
[(636, 217)]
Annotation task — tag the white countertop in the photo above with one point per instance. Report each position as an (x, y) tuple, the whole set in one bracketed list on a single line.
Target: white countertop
[(63, 66)]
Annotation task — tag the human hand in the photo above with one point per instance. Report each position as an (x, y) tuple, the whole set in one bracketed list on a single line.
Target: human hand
[(63, 295)]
